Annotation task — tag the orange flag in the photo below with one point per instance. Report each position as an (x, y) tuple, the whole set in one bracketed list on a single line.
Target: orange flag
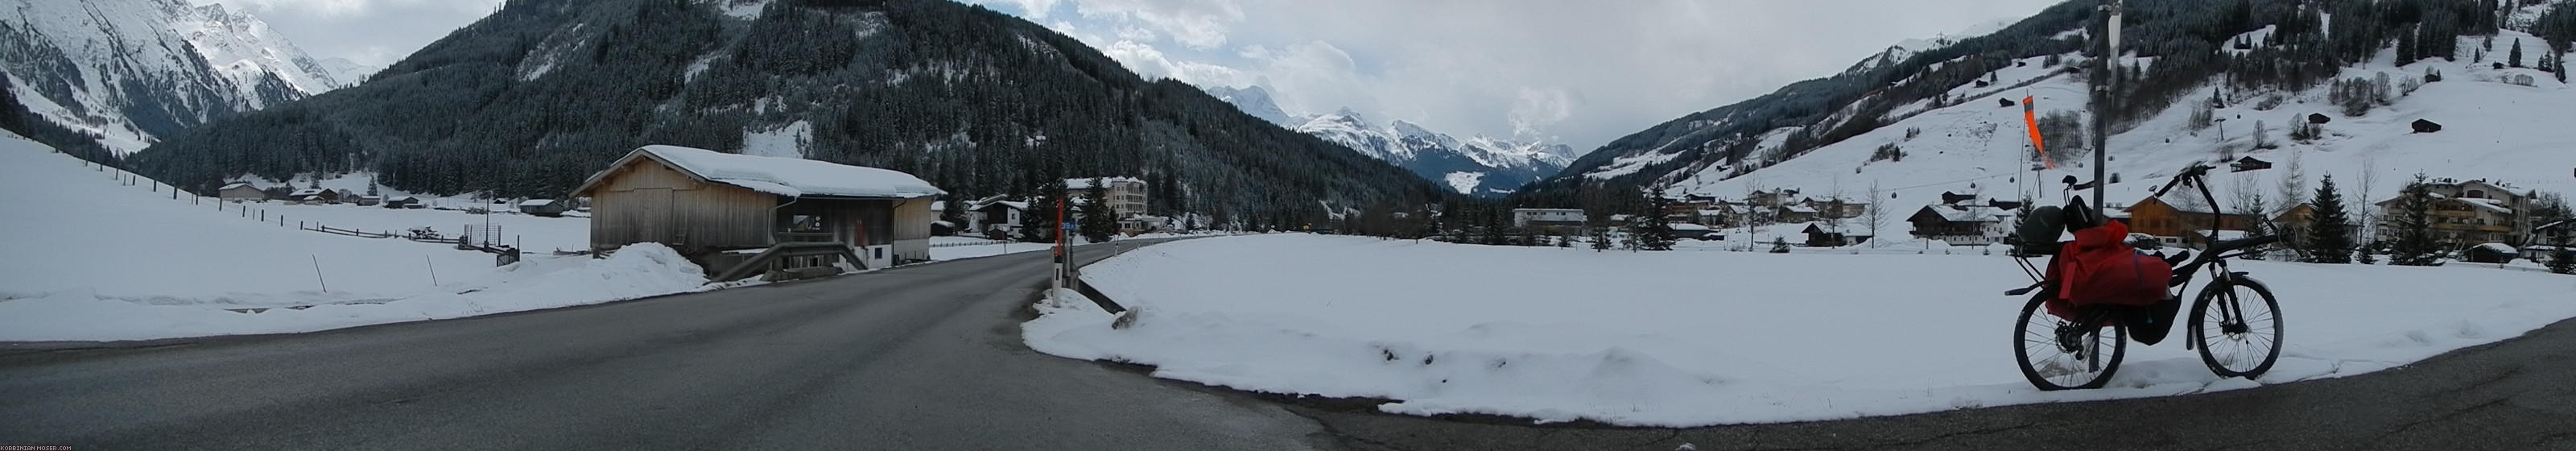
[(2030, 118)]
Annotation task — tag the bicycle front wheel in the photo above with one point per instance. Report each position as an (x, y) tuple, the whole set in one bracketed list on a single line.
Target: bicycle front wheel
[(2056, 354), (2237, 326)]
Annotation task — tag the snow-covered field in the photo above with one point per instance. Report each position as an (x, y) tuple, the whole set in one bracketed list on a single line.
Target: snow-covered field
[(93, 259), (1698, 338)]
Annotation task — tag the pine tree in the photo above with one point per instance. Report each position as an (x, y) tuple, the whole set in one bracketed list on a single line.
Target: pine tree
[(2414, 245), (2515, 58), (2564, 260), (2329, 234), (1648, 226), (1099, 223), (1038, 221)]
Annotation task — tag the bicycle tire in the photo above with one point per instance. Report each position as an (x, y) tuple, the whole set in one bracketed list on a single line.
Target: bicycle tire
[(2118, 344), (2201, 339)]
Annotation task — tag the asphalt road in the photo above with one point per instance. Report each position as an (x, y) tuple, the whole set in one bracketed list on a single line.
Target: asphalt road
[(914, 358), (929, 357)]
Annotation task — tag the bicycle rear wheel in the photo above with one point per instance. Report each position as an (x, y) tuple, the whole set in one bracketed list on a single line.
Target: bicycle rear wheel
[(2238, 335), (2056, 354)]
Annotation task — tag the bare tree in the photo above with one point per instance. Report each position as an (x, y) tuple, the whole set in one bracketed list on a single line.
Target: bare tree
[(2294, 191), (1874, 216), (1832, 212), (1752, 210), (2367, 211)]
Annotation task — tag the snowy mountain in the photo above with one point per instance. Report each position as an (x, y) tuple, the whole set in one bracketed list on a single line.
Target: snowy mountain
[(133, 71), (348, 73), (1941, 123), (531, 100), (1255, 101), (1480, 165)]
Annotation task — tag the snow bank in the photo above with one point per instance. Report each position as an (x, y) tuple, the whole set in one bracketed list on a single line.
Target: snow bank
[(637, 271), (793, 176), (1699, 338)]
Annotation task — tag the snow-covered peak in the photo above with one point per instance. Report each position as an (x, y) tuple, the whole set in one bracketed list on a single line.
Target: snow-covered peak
[(1411, 130), (1255, 101), (129, 71), (244, 49), (1908, 48)]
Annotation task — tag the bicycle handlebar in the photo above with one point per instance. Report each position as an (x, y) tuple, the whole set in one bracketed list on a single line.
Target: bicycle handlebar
[(2196, 170)]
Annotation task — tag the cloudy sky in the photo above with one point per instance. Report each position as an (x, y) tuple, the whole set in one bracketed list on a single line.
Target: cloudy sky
[(1576, 71)]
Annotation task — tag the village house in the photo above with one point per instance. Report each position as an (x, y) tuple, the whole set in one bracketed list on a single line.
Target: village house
[(705, 203), (1959, 225), (993, 215), (544, 207), (1817, 236), (1690, 231), (2184, 220), (241, 192), (1547, 217), (2464, 213), (313, 196), (2562, 231)]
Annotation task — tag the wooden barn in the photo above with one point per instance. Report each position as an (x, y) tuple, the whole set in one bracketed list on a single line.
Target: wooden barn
[(705, 203), (241, 192)]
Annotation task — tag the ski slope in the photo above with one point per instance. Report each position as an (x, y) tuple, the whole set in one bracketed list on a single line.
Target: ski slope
[(1678, 339)]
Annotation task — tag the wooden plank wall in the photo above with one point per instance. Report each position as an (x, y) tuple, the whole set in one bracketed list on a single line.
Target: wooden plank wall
[(649, 202), (912, 228)]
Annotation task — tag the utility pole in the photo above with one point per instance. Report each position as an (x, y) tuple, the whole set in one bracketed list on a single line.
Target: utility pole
[(2107, 76)]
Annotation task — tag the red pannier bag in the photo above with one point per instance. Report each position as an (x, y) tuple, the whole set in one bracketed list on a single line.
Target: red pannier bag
[(2099, 268)]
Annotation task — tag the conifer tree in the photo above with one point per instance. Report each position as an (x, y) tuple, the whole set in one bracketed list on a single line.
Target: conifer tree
[(1647, 225), (2414, 245), (2564, 260), (2329, 234), (1600, 239), (2515, 58), (1098, 223)]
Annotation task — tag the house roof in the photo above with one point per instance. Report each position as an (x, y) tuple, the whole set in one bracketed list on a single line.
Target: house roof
[(1686, 226), (2553, 225), (795, 177), (307, 192), (1955, 213), (536, 202), (1084, 183), (237, 185)]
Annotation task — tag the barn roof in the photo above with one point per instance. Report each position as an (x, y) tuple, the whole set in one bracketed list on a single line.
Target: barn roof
[(795, 177), (307, 192), (536, 202), (237, 185)]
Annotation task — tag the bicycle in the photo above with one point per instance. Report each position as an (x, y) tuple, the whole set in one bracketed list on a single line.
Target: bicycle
[(2058, 353)]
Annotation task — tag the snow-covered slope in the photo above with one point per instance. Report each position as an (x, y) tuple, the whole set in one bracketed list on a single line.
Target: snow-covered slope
[(135, 70), (348, 73), (2493, 130), (1254, 100)]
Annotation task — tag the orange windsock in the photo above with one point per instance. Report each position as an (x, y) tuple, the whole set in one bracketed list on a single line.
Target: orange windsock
[(2030, 119)]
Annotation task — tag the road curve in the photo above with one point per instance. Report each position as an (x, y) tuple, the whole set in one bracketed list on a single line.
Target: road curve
[(921, 357)]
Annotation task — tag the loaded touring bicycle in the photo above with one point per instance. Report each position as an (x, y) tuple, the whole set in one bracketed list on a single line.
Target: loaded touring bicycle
[(2097, 290)]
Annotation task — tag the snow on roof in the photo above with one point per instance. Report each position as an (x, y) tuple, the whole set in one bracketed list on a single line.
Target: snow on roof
[(1969, 214), (536, 202), (2489, 204), (2191, 203), (1686, 226), (2224, 235), (1085, 183), (2497, 247), (791, 176), (307, 192), (237, 185), (1800, 209)]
